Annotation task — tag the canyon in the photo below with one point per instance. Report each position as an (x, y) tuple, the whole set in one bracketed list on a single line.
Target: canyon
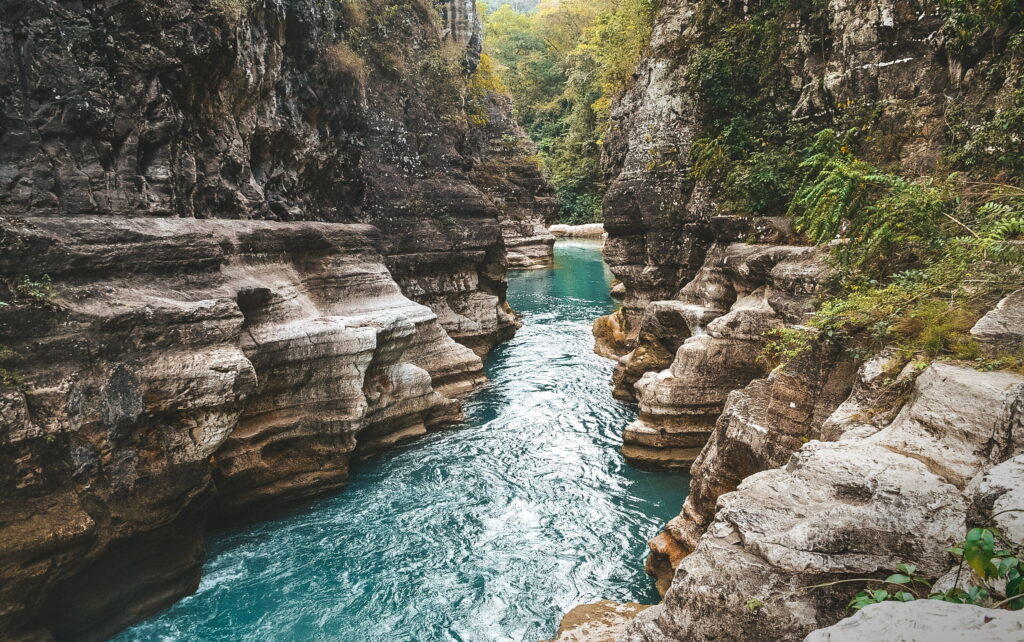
[(245, 245), (242, 244)]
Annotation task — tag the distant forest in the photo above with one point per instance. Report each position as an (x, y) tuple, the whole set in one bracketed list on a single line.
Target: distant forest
[(522, 6)]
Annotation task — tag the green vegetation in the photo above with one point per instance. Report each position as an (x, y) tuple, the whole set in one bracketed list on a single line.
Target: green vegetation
[(919, 260), (41, 292), (8, 375), (233, 9), (563, 64), (746, 145), (996, 578)]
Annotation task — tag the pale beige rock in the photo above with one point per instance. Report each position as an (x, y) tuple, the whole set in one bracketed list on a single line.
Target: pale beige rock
[(925, 621), (184, 361), (598, 622), (587, 230), (1002, 329), (852, 508)]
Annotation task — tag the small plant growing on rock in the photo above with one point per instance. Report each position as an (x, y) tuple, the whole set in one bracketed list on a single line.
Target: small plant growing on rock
[(9, 376), (997, 578), (39, 292)]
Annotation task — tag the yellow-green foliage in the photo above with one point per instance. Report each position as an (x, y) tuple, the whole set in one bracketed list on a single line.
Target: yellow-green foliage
[(919, 260), (563, 64), (341, 58), (483, 81), (233, 9)]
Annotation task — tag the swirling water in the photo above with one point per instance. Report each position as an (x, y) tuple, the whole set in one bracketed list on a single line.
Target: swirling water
[(486, 532)]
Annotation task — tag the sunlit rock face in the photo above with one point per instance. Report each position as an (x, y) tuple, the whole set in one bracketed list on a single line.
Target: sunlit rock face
[(924, 620), (889, 490), (184, 361), (181, 367), (716, 328)]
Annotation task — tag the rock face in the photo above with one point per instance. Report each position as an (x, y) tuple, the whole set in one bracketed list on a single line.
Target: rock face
[(888, 491), (925, 621), (510, 177), (599, 622), (1002, 329), (184, 360), (716, 329), (280, 111), (200, 320)]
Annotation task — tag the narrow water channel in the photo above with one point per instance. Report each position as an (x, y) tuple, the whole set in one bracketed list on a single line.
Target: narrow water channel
[(486, 532)]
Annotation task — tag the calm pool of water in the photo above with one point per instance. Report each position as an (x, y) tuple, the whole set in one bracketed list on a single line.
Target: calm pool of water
[(486, 532)]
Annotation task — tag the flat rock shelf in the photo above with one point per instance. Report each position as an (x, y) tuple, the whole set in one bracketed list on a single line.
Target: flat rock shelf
[(486, 532)]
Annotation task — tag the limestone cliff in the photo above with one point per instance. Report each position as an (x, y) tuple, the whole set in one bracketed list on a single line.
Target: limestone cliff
[(241, 243), (820, 470)]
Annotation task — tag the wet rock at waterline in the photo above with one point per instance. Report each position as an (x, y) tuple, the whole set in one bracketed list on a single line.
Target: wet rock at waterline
[(713, 333), (599, 622)]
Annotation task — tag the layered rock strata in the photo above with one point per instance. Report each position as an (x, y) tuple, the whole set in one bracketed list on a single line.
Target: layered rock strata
[(712, 333), (157, 368), (884, 493), (182, 361)]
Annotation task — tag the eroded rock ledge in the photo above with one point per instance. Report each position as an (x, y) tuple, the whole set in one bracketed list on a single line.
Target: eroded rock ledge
[(186, 367), (192, 367)]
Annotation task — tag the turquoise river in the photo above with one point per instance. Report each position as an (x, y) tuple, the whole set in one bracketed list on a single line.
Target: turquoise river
[(486, 532)]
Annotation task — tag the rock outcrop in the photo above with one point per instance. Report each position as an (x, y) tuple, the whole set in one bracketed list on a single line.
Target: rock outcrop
[(199, 320), (599, 622), (184, 361), (884, 493), (716, 327), (814, 471), (925, 621), (510, 176)]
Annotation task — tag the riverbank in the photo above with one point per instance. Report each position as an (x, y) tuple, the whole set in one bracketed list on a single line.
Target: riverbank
[(489, 531)]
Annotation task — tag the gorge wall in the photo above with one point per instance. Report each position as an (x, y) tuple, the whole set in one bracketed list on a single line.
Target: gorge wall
[(243, 242), (830, 467)]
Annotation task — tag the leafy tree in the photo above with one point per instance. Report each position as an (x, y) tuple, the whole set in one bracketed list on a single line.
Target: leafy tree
[(563, 63)]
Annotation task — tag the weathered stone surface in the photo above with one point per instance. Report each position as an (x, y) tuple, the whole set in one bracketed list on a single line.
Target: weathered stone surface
[(598, 622), (506, 174), (587, 230), (718, 323), (1002, 329), (760, 427), (183, 361), (925, 621), (853, 508)]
